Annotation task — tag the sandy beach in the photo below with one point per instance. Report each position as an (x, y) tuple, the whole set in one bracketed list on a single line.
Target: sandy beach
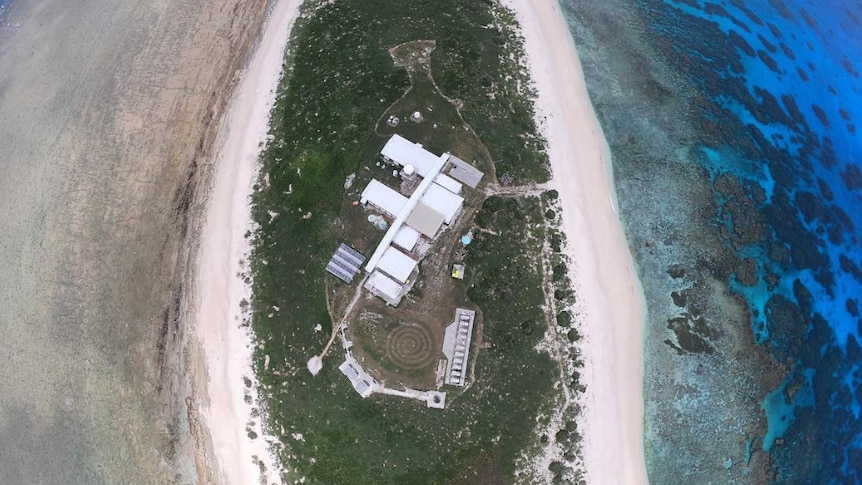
[(610, 300), (230, 396)]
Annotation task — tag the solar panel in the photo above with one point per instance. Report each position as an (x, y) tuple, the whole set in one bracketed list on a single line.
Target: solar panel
[(340, 273), (349, 253), (346, 265), (347, 257)]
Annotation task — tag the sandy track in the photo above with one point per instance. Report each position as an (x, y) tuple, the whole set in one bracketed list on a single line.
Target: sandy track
[(227, 346)]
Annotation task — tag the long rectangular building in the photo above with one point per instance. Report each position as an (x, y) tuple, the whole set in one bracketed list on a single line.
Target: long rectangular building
[(383, 197), (456, 347), (403, 152)]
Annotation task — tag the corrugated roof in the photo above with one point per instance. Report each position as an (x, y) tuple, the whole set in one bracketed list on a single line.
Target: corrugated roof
[(464, 172), (383, 197)]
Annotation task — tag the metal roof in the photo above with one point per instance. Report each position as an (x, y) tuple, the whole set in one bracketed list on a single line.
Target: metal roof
[(443, 201), (396, 264), (383, 197), (404, 152), (406, 238), (464, 172)]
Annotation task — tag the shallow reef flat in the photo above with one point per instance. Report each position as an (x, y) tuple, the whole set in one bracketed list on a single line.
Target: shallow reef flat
[(107, 113), (736, 157)]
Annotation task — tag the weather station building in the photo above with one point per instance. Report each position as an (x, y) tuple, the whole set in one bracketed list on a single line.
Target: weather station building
[(435, 202)]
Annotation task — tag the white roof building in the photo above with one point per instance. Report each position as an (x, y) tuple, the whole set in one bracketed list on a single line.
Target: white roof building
[(383, 197), (448, 183), (396, 264), (385, 287), (425, 220), (443, 201), (362, 382), (403, 152), (407, 210), (406, 238)]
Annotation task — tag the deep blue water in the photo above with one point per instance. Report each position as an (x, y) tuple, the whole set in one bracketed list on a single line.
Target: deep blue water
[(781, 114)]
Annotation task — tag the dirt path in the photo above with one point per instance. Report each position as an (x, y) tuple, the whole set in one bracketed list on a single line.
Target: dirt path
[(347, 311)]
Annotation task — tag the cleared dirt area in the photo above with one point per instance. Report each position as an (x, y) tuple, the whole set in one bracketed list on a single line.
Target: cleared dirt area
[(402, 346)]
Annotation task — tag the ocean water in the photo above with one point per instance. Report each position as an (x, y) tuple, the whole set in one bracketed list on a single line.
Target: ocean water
[(736, 135)]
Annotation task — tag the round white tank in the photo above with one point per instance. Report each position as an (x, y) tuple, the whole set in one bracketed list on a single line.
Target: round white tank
[(409, 170)]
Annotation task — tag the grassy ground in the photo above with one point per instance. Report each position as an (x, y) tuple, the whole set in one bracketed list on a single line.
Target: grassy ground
[(340, 82)]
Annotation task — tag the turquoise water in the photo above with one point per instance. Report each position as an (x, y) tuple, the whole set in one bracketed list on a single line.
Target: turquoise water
[(755, 105)]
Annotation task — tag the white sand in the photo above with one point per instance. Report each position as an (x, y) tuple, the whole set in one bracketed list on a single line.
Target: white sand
[(227, 347), (608, 291)]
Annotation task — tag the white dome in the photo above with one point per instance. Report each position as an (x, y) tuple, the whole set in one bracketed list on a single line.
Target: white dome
[(408, 169)]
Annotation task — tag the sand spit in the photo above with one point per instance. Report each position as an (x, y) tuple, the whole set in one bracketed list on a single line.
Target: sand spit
[(610, 299), (241, 447), (107, 114)]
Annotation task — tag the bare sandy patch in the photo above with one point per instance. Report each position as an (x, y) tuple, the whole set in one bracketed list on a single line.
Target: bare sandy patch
[(243, 452)]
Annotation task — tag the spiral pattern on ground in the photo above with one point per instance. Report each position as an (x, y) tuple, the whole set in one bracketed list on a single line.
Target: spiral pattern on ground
[(410, 346)]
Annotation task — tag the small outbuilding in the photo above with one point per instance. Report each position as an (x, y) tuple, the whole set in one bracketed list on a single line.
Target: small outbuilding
[(458, 271), (362, 382)]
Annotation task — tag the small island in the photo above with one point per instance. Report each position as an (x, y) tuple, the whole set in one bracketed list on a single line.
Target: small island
[(408, 255)]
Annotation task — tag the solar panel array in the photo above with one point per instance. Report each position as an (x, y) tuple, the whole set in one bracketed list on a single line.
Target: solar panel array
[(345, 263)]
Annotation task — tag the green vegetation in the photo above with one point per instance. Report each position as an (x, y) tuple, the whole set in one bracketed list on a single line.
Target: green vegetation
[(339, 82)]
